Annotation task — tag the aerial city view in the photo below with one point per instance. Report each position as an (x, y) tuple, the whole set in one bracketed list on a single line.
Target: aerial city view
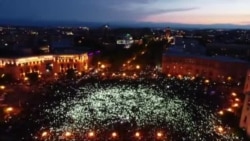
[(132, 70)]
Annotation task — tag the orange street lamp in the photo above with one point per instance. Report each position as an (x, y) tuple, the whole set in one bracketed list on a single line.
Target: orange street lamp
[(114, 135), (234, 94), (44, 134), (220, 129), (180, 76), (2, 87), (137, 134), (221, 112), (68, 134), (206, 81), (138, 67), (159, 134), (237, 99), (103, 66), (91, 134), (9, 109), (229, 109), (235, 105)]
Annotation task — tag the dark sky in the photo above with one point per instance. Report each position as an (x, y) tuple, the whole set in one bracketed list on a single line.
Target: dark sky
[(76, 10), (180, 11)]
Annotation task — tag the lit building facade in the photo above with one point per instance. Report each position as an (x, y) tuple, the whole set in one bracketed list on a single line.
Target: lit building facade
[(245, 115), (214, 68), (43, 65), (169, 37), (126, 41)]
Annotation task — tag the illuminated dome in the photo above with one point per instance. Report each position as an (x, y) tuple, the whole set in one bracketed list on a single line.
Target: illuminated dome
[(126, 40)]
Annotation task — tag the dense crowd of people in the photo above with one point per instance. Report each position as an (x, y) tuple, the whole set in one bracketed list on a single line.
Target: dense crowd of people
[(183, 108)]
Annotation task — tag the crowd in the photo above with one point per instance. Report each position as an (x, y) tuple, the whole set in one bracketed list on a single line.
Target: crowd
[(183, 108)]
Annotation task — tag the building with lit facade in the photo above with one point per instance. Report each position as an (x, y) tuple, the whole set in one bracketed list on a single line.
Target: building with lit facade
[(169, 37), (175, 61), (126, 41), (245, 115), (43, 65)]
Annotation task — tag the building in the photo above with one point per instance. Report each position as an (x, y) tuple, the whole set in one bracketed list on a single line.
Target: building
[(241, 51), (183, 61), (245, 115), (44, 65), (126, 41), (169, 37)]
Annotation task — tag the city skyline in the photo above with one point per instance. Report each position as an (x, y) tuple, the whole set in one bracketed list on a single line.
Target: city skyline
[(155, 11)]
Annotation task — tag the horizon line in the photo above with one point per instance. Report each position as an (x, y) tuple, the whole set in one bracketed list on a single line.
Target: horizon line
[(68, 23)]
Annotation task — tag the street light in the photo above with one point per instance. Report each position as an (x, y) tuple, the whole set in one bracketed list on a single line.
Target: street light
[(235, 105), (192, 78), (138, 67), (234, 94), (91, 134), (26, 78), (221, 112), (137, 134), (68, 134), (220, 129), (207, 81), (180, 76), (103, 66), (114, 135), (237, 99), (79, 73), (44, 134), (9, 109), (2, 87), (229, 109), (159, 135)]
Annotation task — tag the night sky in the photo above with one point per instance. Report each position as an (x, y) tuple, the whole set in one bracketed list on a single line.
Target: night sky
[(176, 11)]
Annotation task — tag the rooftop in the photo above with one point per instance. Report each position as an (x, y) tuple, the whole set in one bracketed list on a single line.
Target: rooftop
[(181, 53), (15, 55)]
